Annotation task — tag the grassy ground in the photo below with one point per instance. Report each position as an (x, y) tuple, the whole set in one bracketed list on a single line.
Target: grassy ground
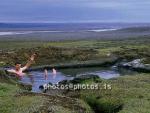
[(74, 51), (11, 45), (127, 48), (131, 94), (14, 99), (9, 103), (128, 94)]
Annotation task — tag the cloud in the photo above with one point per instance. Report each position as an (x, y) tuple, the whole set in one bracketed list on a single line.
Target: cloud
[(74, 10)]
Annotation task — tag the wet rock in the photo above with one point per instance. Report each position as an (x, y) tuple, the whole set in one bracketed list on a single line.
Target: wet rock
[(136, 65), (87, 76), (45, 87), (64, 82), (84, 77), (25, 86), (81, 78)]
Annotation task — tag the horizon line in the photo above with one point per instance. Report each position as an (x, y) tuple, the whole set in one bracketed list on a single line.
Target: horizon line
[(43, 22)]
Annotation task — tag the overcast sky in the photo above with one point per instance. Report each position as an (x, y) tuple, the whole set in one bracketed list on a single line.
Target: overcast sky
[(74, 10)]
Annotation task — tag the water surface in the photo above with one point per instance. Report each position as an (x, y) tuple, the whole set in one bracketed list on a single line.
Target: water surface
[(37, 78)]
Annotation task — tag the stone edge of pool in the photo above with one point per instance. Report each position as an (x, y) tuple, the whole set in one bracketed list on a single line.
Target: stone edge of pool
[(77, 65), (85, 64)]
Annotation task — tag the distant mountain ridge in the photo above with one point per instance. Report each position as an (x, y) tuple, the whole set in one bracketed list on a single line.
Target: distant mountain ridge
[(136, 29)]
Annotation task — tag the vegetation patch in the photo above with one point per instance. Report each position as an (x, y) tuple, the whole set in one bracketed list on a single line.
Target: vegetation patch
[(127, 93)]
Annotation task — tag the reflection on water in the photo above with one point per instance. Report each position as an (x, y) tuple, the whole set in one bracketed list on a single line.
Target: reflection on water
[(37, 78)]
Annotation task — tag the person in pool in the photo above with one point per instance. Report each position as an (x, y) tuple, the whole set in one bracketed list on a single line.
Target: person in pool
[(18, 70)]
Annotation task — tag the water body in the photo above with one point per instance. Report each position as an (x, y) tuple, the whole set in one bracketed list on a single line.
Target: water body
[(68, 74), (32, 32), (25, 32), (70, 31), (31, 28)]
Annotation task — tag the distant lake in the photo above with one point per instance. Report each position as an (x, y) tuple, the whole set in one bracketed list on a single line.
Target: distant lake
[(65, 26), (68, 31)]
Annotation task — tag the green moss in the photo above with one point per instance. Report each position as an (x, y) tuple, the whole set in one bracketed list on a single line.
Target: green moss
[(108, 105), (127, 93), (74, 51), (104, 105)]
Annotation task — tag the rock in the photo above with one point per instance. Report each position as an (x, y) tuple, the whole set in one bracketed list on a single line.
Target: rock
[(41, 87), (81, 78), (25, 86), (45, 86), (84, 77), (87, 76), (136, 65), (64, 82)]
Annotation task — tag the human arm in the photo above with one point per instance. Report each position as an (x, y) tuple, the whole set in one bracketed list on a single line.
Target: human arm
[(30, 61), (10, 71)]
